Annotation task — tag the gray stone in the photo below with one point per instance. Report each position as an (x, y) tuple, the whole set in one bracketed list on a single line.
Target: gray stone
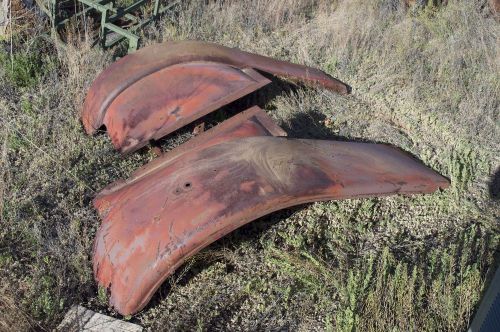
[(79, 319), (4, 17)]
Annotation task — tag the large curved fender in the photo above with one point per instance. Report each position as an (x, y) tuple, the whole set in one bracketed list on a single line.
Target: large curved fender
[(154, 222), (131, 69)]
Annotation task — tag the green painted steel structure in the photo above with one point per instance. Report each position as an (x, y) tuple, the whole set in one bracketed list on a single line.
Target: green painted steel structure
[(110, 18)]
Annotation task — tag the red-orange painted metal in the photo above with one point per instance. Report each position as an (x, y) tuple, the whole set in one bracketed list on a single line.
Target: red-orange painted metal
[(252, 122), (145, 78), (172, 97), (188, 199)]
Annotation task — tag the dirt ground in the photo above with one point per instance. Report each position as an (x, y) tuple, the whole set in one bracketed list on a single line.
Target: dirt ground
[(425, 79)]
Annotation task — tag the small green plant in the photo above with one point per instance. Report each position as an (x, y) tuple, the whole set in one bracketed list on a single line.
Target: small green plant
[(15, 142), (46, 302), (5, 260), (22, 69), (27, 107), (26, 67), (102, 295)]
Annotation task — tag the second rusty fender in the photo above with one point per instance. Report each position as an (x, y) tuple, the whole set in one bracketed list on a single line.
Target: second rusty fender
[(172, 98), (160, 88)]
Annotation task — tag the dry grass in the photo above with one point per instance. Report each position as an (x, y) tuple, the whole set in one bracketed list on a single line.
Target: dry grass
[(425, 80), (12, 315)]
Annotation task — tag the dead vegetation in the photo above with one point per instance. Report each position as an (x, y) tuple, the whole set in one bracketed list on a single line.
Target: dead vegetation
[(425, 80)]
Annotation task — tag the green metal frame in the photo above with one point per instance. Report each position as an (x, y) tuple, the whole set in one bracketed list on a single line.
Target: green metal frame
[(109, 18)]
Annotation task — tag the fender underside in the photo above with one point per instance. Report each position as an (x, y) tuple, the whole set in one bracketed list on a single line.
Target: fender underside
[(160, 88), (227, 177)]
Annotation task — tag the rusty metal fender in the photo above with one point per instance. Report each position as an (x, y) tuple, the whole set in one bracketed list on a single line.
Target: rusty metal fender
[(131, 69), (188, 199), (172, 97)]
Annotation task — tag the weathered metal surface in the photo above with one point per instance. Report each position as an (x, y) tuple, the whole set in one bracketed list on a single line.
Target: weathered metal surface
[(186, 200), (131, 69), (252, 122), (172, 97)]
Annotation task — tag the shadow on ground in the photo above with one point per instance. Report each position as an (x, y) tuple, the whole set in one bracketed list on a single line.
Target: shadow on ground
[(494, 185)]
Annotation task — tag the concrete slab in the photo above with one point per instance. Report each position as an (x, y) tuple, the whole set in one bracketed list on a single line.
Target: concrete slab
[(79, 319), (4, 17)]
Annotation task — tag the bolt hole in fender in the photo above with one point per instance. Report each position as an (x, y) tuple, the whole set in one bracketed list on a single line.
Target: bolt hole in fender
[(161, 88), (238, 171)]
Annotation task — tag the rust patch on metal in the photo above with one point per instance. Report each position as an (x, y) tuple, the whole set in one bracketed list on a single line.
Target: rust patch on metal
[(252, 122), (221, 180), (156, 78), (170, 98)]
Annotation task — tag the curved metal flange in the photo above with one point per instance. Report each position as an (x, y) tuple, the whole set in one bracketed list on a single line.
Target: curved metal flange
[(173, 97), (252, 122), (170, 211), (131, 69)]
